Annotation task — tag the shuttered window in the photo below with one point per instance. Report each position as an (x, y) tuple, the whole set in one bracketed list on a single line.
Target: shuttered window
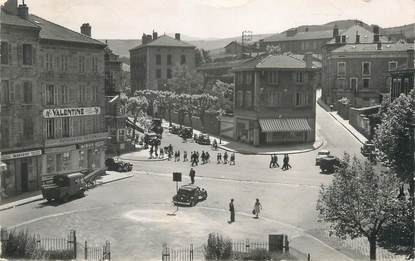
[(5, 53), (27, 54), (27, 93)]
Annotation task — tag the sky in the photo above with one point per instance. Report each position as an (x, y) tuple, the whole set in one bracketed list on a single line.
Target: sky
[(129, 19)]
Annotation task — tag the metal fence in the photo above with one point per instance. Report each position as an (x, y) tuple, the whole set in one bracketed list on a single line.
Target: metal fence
[(247, 246), (183, 254)]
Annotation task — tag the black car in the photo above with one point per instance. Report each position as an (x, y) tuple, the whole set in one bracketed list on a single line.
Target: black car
[(328, 164), (186, 133), (118, 165), (203, 139), (174, 129), (369, 151), (189, 195)]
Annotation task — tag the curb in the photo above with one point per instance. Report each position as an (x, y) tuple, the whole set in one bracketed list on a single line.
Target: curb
[(143, 159), (344, 126), (269, 153), (39, 197)]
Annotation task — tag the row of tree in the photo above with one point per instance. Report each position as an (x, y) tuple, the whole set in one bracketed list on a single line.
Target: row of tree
[(366, 200)]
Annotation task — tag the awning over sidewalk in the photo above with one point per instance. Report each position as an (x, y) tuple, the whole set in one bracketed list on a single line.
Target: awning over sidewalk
[(284, 125)]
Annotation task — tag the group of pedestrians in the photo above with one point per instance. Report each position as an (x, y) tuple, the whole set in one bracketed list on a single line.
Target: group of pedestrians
[(226, 159), (204, 156), (256, 210), (274, 162)]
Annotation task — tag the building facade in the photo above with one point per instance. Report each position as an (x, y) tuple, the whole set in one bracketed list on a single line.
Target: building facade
[(403, 78), (152, 63), (274, 100), (113, 73), (361, 72), (52, 99)]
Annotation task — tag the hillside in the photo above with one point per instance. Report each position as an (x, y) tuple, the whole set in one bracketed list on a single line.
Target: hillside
[(122, 46)]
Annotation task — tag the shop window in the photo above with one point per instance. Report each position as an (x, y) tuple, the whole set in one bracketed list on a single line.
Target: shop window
[(66, 161), (27, 92), (5, 51), (27, 54)]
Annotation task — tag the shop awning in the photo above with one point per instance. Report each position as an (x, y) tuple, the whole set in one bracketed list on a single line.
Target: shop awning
[(284, 125)]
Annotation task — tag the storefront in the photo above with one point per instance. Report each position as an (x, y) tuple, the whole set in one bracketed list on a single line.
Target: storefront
[(22, 172), (245, 130), (285, 131)]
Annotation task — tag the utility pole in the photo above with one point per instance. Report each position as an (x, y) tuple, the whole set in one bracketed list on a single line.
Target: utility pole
[(246, 37)]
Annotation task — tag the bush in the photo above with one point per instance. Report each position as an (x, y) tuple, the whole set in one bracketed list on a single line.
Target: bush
[(218, 248), (19, 245), (258, 254)]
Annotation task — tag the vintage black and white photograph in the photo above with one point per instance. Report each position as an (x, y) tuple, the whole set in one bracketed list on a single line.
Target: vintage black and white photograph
[(202, 130)]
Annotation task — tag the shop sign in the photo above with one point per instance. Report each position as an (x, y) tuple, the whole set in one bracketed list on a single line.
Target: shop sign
[(91, 145), (24, 154), (70, 112)]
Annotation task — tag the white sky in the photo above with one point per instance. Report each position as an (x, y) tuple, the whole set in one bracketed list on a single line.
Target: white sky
[(128, 19)]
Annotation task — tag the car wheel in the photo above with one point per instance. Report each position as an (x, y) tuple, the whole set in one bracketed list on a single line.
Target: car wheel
[(119, 169)]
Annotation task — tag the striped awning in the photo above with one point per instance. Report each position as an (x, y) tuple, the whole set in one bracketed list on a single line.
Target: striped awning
[(284, 125)]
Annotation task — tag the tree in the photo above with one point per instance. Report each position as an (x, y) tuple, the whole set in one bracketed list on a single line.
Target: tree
[(359, 201), (202, 56), (202, 103), (185, 81), (273, 49), (137, 106), (224, 94), (393, 139)]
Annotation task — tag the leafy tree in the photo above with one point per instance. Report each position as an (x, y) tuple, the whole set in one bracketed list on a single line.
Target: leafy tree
[(137, 106), (359, 201), (273, 49), (393, 139), (224, 94), (185, 81), (202, 103)]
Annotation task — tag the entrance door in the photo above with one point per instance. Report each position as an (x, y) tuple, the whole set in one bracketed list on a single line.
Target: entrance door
[(262, 138), (24, 176)]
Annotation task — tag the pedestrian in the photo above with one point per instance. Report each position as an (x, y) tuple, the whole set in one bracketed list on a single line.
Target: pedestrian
[(232, 162), (276, 165), (192, 175), (178, 155), (207, 157), (170, 154), (225, 158), (271, 161), (232, 210), (194, 159), (215, 144), (197, 158), (219, 157), (151, 152), (184, 156), (257, 208), (288, 162), (161, 153), (203, 157), (171, 148)]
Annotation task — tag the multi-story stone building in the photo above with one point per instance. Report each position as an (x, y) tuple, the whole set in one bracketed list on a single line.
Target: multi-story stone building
[(361, 72), (274, 100), (21, 126), (52, 99), (113, 73), (403, 77), (153, 62)]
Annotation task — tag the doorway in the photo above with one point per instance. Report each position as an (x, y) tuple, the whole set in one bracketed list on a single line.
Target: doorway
[(24, 174)]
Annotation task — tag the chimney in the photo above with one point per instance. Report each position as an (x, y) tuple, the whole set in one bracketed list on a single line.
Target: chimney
[(410, 58), (177, 36), (86, 29), (375, 29), (335, 31), (155, 35), (23, 11), (308, 59), (379, 46), (376, 38), (357, 37), (149, 38), (143, 39), (10, 6), (343, 39), (337, 39)]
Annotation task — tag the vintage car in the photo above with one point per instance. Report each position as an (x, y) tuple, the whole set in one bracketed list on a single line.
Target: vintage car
[(118, 165), (189, 195), (63, 187), (328, 164), (203, 139), (156, 127), (186, 133), (321, 154), (174, 129), (369, 151)]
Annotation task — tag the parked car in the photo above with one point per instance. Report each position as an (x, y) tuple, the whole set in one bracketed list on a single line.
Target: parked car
[(328, 164), (186, 133), (174, 129), (203, 139), (118, 165), (64, 186), (156, 127), (189, 195), (321, 154)]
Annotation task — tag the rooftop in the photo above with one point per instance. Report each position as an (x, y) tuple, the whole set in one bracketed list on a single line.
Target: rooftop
[(362, 48), (15, 20), (165, 41), (277, 61), (327, 34)]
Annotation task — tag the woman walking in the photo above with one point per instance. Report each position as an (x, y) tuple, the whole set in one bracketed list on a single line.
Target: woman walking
[(257, 208)]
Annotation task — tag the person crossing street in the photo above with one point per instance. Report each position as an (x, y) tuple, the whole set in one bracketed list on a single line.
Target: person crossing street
[(192, 175)]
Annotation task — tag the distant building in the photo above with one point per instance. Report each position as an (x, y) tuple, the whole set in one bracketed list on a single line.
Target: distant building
[(52, 115), (221, 71), (403, 77), (234, 47), (113, 73), (275, 99), (153, 61)]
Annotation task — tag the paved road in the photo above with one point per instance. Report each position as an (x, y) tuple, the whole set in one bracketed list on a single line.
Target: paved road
[(132, 213)]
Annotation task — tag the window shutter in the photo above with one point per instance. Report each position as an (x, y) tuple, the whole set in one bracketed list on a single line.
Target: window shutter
[(56, 96), (19, 54), (11, 92), (34, 58), (10, 53)]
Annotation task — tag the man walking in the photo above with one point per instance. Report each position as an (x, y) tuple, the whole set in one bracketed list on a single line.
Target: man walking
[(232, 162), (192, 175), (232, 210), (225, 158)]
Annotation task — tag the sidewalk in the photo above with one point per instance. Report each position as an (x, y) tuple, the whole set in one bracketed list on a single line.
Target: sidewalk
[(246, 149), (30, 197), (141, 155)]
